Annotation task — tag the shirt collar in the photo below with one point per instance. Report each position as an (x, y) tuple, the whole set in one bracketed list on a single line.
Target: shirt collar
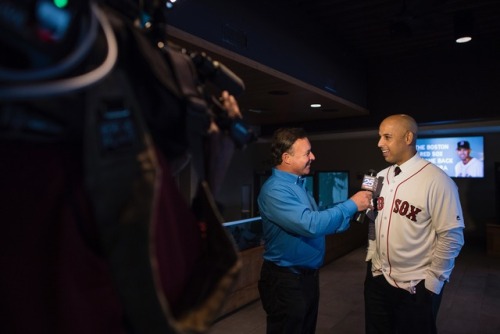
[(289, 177), (407, 165)]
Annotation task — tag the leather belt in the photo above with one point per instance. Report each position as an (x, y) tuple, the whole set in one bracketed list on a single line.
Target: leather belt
[(292, 269)]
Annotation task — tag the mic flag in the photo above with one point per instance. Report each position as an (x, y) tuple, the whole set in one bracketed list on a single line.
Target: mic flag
[(370, 182)]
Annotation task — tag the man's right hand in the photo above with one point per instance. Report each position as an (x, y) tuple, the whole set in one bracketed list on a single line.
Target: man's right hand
[(363, 200)]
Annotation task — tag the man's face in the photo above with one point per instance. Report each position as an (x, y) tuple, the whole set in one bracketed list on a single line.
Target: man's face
[(393, 142), (463, 153), (300, 157)]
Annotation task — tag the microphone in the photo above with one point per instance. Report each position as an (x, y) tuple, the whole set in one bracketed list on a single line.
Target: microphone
[(370, 183)]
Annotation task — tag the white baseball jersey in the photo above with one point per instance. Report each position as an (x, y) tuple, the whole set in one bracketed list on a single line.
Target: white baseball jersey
[(474, 168), (414, 208)]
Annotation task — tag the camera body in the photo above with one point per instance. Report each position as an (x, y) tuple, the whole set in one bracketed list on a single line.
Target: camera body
[(223, 78)]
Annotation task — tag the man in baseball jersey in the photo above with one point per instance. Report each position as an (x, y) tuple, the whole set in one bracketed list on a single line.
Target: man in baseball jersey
[(418, 234), (467, 166)]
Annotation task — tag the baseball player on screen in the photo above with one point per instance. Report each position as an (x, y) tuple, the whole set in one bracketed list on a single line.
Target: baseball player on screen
[(468, 166), (418, 234)]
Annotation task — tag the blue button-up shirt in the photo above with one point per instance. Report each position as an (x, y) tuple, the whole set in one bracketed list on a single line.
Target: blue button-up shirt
[(294, 229)]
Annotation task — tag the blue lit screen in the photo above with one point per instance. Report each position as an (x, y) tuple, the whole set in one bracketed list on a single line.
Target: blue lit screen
[(444, 152)]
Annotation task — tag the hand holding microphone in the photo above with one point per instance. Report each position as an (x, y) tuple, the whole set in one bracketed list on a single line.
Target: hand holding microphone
[(370, 183)]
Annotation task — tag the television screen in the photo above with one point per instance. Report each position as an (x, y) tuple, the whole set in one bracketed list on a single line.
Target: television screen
[(309, 184), (331, 187), (457, 156)]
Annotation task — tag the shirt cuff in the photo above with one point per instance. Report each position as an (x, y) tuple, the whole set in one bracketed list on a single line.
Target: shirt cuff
[(371, 250), (433, 284)]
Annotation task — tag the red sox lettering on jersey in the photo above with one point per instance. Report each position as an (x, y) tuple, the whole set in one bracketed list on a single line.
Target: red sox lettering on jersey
[(401, 207), (406, 209)]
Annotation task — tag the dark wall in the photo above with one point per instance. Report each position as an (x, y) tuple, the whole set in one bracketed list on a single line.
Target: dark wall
[(457, 85)]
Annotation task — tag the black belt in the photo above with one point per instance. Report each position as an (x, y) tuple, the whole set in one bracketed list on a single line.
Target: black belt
[(293, 269)]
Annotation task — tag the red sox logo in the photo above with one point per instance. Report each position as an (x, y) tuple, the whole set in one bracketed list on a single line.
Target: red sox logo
[(380, 203), (401, 207)]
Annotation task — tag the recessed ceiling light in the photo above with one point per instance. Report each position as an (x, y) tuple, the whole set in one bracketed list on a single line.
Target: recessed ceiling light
[(463, 39)]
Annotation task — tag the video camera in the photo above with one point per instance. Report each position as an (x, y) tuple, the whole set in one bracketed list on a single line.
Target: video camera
[(49, 39), (223, 78)]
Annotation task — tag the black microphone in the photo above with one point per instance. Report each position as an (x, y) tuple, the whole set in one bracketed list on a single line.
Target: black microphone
[(370, 183)]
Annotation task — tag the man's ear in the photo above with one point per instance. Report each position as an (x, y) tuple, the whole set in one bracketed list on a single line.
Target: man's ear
[(409, 137), (285, 157)]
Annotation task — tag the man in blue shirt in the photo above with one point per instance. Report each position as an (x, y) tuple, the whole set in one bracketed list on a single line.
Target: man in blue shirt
[(294, 235)]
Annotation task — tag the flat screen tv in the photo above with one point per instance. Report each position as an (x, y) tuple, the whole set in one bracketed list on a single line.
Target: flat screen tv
[(331, 187), (459, 157)]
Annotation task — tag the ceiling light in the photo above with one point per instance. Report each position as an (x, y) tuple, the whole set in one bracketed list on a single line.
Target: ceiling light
[(464, 26), (315, 105)]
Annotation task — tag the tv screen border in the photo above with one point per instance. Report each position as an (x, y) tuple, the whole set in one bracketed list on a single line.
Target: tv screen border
[(451, 152)]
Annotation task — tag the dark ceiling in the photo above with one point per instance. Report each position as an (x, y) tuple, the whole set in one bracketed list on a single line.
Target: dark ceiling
[(387, 28), (373, 33)]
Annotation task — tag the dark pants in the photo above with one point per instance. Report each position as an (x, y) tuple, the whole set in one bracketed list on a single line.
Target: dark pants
[(290, 299), (390, 310)]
